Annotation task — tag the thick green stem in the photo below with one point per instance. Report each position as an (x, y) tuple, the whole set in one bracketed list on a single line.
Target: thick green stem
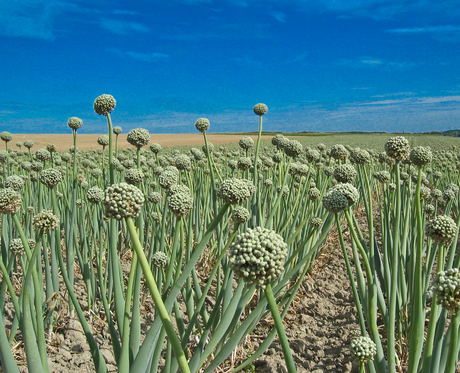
[(156, 296), (280, 328)]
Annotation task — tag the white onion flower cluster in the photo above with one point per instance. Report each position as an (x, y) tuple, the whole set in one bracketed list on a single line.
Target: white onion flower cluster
[(397, 148), (123, 201), (421, 155), (257, 256), (95, 194), (42, 154), (314, 193), (134, 176), (183, 162), (104, 104), (360, 156), (312, 155), (246, 143), (339, 152), (14, 182), (103, 140), (382, 176), (180, 201), (154, 197), (50, 177), (244, 163), (17, 247), (160, 259), (363, 349), (202, 124), (446, 286), (260, 109), (138, 137), (293, 149), (155, 148), (167, 178), (241, 214), (6, 136), (345, 173), (235, 191), (45, 220), (75, 123), (340, 197), (10, 201), (441, 229)]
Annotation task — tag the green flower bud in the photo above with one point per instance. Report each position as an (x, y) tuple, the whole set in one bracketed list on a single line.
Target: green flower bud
[(14, 182), (116, 130), (339, 152), (345, 173), (421, 155), (123, 201), (103, 140), (257, 256), (246, 143), (134, 176), (446, 285), (442, 229), (363, 349)]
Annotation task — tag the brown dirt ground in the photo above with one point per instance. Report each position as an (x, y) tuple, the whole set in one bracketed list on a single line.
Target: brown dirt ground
[(87, 142)]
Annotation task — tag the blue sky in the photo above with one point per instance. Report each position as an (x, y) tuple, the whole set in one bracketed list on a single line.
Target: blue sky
[(319, 65)]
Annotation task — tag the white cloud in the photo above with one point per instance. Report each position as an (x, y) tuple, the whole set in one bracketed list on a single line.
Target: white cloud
[(146, 57), (427, 30), (279, 16), (373, 62)]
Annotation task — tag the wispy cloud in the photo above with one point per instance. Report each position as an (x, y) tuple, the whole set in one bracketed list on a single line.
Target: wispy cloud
[(146, 57), (125, 12), (123, 27), (427, 30), (279, 16), (32, 18), (373, 63)]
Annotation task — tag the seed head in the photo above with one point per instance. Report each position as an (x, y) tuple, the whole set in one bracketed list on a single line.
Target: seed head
[(246, 143), (257, 256), (95, 194), (104, 104), (103, 140), (382, 176), (160, 259), (293, 149), (28, 144), (241, 214), (260, 109), (123, 201), (202, 124), (180, 202), (244, 163), (235, 191), (15, 182), (42, 154), (10, 201), (154, 197), (339, 152), (50, 177), (397, 148), (116, 130), (75, 123), (46, 221), (314, 194), (183, 162), (316, 223), (155, 148), (134, 176), (167, 178), (421, 155), (345, 173), (138, 137), (446, 285), (442, 229), (6, 136)]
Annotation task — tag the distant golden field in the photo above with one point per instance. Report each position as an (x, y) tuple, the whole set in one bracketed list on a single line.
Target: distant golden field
[(86, 142)]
